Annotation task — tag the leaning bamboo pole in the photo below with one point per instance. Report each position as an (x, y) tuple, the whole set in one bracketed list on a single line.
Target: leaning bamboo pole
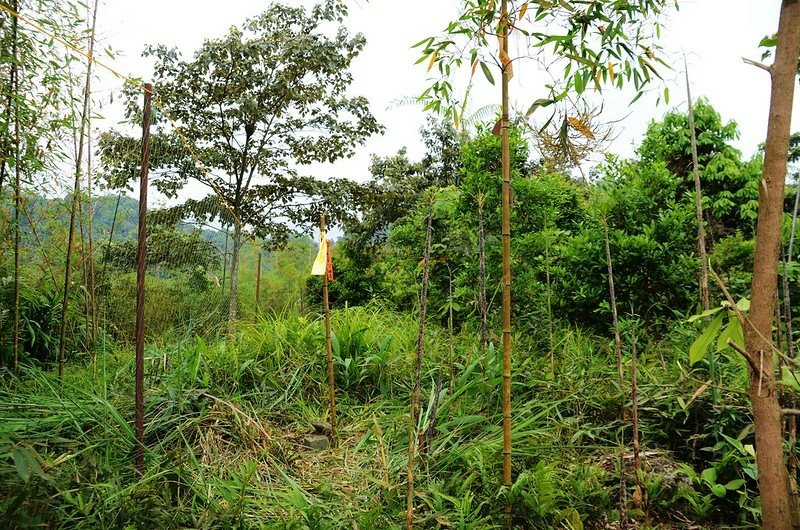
[(698, 199), (701, 231)]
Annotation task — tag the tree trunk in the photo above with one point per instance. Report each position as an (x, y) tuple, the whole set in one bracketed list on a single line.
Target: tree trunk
[(773, 477), (233, 306)]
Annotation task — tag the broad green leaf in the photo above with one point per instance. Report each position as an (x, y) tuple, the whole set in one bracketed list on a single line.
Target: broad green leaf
[(21, 463), (335, 344), (706, 313), (701, 344), (709, 475), (743, 305), (718, 490), (789, 379), (26, 462), (735, 443), (732, 331), (734, 484)]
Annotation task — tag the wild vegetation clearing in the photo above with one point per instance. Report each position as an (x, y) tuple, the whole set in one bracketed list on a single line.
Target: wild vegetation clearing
[(514, 343), (226, 422)]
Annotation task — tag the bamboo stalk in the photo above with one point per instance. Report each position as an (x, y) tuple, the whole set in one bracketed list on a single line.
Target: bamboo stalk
[(258, 285), (613, 298), (482, 305), (701, 231), (414, 418), (506, 238), (549, 299), (640, 499), (12, 83), (17, 195), (698, 199), (90, 205), (75, 201)]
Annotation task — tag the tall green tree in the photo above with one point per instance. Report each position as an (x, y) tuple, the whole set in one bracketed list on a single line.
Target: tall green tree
[(250, 108)]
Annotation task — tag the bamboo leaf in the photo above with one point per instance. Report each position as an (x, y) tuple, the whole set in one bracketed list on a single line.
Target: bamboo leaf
[(434, 56), (487, 73), (541, 102), (522, 10)]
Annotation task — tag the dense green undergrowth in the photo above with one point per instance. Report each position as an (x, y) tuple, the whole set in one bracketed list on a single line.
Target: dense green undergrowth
[(226, 420)]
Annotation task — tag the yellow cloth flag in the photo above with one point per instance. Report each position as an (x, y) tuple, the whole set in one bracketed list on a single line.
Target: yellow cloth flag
[(321, 261)]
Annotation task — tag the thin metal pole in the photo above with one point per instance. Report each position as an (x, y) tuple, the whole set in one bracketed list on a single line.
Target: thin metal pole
[(141, 261)]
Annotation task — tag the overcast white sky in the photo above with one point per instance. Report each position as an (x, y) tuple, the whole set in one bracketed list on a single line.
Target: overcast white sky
[(714, 34)]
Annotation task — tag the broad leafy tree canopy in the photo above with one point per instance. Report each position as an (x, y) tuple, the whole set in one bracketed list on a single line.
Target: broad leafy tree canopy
[(251, 107)]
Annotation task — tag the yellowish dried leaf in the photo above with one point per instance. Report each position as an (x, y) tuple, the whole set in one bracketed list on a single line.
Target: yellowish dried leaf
[(611, 71), (522, 10), (581, 127), (434, 56)]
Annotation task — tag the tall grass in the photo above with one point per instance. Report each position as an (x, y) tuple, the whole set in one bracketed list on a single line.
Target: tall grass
[(226, 420)]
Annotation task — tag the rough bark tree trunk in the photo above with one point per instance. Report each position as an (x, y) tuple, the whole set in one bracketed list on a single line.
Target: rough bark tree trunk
[(773, 477)]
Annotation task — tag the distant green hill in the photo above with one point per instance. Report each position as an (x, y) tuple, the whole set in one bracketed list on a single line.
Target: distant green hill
[(49, 215)]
